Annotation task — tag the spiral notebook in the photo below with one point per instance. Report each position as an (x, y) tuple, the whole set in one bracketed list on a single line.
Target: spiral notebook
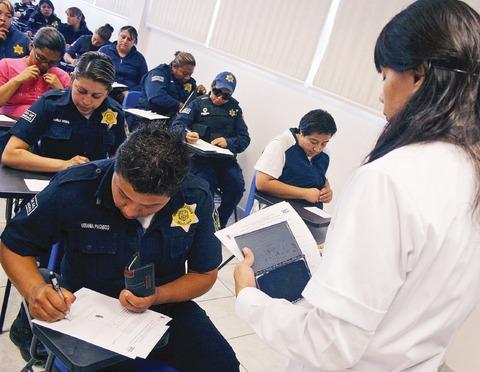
[(280, 268)]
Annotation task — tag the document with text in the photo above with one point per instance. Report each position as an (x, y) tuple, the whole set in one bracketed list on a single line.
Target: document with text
[(101, 320)]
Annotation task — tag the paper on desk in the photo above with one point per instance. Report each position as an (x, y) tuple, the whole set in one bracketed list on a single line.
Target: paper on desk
[(208, 147), (150, 115), (101, 320), (6, 119), (36, 185), (268, 216), (118, 85), (318, 212)]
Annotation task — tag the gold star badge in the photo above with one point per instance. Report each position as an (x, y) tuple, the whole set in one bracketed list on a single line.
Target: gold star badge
[(109, 117), (185, 217), (18, 49), (232, 113), (188, 87), (229, 78)]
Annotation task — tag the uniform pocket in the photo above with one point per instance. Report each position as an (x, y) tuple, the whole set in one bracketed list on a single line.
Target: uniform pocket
[(177, 243), (109, 138), (59, 132)]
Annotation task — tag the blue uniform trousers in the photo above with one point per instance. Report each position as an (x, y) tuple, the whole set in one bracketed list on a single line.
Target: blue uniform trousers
[(225, 175)]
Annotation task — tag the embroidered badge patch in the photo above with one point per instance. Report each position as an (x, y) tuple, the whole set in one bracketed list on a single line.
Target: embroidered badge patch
[(188, 87), (185, 217), (18, 49), (232, 113), (109, 117), (161, 79), (29, 115), (31, 205)]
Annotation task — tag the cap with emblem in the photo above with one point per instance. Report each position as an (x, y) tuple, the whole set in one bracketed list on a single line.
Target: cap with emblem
[(225, 80)]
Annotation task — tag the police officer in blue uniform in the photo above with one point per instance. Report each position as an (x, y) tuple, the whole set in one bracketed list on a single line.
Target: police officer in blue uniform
[(70, 126), (165, 89), (106, 211), (130, 64), (217, 118), (43, 16), (88, 43), (13, 43)]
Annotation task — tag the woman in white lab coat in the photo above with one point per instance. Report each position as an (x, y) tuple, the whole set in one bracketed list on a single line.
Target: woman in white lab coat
[(402, 259)]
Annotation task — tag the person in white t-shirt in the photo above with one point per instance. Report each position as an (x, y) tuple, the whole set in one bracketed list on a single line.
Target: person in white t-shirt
[(401, 266)]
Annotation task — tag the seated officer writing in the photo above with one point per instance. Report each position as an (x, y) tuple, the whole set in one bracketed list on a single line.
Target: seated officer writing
[(106, 211), (165, 89), (294, 166), (70, 126), (217, 118)]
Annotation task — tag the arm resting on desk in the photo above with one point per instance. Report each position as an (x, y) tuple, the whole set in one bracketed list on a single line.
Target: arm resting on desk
[(274, 187), (43, 302), (16, 155), (185, 288)]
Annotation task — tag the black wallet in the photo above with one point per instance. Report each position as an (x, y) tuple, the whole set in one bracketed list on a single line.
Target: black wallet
[(140, 280)]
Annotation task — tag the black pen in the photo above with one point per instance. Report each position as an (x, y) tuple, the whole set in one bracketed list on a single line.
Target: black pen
[(56, 286)]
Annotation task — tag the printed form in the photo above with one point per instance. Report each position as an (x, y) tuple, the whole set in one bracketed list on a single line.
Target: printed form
[(101, 320)]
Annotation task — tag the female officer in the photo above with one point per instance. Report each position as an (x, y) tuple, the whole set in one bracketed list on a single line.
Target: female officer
[(71, 126), (130, 65), (75, 26), (166, 88), (43, 16), (13, 43), (24, 80), (87, 43), (401, 266)]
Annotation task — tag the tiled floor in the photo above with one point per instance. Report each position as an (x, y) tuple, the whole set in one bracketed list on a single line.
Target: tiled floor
[(252, 353)]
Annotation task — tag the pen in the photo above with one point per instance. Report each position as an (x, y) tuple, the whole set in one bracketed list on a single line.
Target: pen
[(56, 286)]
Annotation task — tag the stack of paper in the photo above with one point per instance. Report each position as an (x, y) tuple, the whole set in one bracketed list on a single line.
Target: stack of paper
[(150, 115), (116, 85), (36, 185), (209, 148), (103, 321), (318, 212), (269, 216), (6, 119)]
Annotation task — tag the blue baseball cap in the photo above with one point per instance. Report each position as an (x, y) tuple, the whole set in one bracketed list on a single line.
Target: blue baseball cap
[(226, 80)]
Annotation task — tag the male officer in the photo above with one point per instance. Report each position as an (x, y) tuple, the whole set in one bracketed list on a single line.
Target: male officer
[(104, 212), (217, 118)]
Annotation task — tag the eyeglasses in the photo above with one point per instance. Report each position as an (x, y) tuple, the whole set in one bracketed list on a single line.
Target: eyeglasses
[(220, 94), (42, 59)]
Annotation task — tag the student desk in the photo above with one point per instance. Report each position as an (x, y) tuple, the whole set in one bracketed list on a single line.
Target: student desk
[(12, 186), (78, 355), (316, 224)]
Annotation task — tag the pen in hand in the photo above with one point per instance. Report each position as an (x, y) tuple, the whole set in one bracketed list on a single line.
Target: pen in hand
[(56, 286)]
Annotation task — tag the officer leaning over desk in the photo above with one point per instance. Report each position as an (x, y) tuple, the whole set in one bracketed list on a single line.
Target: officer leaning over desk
[(104, 212), (218, 119)]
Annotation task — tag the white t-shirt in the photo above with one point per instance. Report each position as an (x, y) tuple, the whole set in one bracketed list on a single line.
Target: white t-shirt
[(272, 160), (400, 273)]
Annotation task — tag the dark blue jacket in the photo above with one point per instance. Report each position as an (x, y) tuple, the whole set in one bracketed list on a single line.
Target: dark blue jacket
[(211, 121), (37, 21), (55, 128), (77, 208), (128, 70), (70, 35), (15, 46), (82, 45), (162, 93)]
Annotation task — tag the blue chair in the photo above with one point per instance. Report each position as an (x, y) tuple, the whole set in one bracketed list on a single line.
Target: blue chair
[(246, 211), (131, 99)]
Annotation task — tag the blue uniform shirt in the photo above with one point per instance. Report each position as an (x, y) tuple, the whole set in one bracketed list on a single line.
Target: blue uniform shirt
[(37, 21), (69, 33), (82, 45), (128, 70), (301, 171), (162, 93), (55, 128), (16, 44), (77, 208), (212, 121)]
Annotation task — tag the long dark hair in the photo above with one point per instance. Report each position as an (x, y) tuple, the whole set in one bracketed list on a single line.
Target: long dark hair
[(443, 36)]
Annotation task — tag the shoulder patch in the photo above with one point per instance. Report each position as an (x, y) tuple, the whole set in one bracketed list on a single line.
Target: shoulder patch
[(186, 110), (31, 205), (159, 78), (29, 115)]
